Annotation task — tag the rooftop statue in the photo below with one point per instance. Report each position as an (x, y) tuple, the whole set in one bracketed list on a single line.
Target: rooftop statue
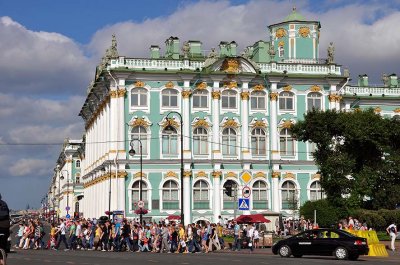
[(211, 58), (331, 54), (272, 52), (185, 49), (385, 79), (113, 52)]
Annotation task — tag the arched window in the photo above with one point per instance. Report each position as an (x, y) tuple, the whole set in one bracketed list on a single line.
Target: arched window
[(281, 51), (229, 141), (286, 142), (136, 194), (200, 98), (170, 143), (316, 191), (200, 141), (170, 195), (260, 195), (289, 195), (258, 100), (314, 101), (139, 132), (228, 99), (200, 195), (169, 98), (286, 101), (229, 202), (138, 97), (78, 163), (258, 142)]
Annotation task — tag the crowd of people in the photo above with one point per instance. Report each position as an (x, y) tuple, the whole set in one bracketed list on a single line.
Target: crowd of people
[(107, 235)]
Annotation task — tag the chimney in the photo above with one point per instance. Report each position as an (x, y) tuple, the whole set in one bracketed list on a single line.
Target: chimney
[(154, 52), (363, 80)]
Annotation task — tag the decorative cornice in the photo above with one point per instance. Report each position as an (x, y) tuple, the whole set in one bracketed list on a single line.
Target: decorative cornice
[(171, 174), (316, 176), (260, 175), (258, 87), (113, 93), (259, 124), (216, 94), (139, 84), (245, 95), (396, 110), (287, 88), (217, 174), (315, 88), (230, 175), (169, 85), (186, 93), (289, 175), (202, 85), (230, 84), (139, 122), (104, 177), (170, 121), (201, 174), (201, 123), (137, 175), (273, 96)]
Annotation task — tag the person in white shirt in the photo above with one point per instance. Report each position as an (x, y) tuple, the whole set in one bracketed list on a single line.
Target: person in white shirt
[(250, 236), (392, 231), (256, 238)]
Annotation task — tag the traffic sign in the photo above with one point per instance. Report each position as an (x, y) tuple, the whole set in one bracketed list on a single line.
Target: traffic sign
[(68, 216), (67, 208), (140, 204), (246, 177), (244, 204), (246, 191)]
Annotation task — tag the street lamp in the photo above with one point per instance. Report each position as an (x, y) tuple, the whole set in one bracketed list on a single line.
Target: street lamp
[(132, 152), (109, 190), (59, 191), (170, 129), (67, 208)]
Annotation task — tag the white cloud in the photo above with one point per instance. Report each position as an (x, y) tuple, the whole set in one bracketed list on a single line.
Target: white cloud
[(24, 167), (40, 62)]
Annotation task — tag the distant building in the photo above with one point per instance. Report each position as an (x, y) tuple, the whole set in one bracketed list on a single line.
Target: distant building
[(237, 111)]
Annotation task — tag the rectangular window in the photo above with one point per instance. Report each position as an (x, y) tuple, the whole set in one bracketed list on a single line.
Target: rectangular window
[(225, 104)]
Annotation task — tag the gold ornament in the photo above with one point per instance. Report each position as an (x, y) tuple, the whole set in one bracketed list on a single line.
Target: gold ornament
[(230, 65), (259, 124), (187, 173), (258, 87), (287, 88), (304, 31), (230, 175), (280, 33), (171, 174), (121, 92), (139, 84), (316, 176), (186, 93), (260, 175), (140, 122), (275, 174), (245, 95), (332, 98), (171, 122), (281, 43), (230, 84), (202, 85), (201, 174), (378, 109), (113, 93), (216, 94), (201, 123), (230, 123), (273, 96), (169, 85), (315, 88), (289, 175), (287, 124), (397, 110), (216, 174)]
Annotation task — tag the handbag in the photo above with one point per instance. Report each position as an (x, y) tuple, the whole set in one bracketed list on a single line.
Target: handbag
[(250, 244)]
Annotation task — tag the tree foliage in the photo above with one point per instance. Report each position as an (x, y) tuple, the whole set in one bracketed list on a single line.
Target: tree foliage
[(358, 154), (327, 215)]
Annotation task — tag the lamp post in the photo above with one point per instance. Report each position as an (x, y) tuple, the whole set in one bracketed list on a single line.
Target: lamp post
[(59, 191), (109, 190), (67, 208), (170, 129), (132, 152)]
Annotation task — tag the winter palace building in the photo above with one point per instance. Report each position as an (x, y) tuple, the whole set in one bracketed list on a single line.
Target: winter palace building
[(231, 110)]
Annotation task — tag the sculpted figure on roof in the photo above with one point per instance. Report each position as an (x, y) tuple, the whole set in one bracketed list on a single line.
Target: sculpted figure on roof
[(211, 58), (331, 53)]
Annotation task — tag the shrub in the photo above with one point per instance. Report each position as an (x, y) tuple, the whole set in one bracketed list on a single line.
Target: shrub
[(327, 215)]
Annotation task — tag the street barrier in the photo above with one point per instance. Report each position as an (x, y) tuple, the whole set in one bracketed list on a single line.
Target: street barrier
[(376, 249)]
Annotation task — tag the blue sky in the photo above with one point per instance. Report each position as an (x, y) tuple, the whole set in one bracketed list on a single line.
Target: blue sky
[(49, 50)]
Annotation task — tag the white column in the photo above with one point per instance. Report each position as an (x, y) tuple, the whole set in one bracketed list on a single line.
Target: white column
[(332, 97), (245, 121), (185, 119), (186, 197), (274, 123), (275, 192), (217, 193), (216, 94)]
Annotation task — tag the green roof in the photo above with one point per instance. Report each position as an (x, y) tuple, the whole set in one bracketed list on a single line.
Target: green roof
[(294, 16)]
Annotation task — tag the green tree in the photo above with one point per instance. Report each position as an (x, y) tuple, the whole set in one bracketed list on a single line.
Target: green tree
[(358, 154), (327, 215)]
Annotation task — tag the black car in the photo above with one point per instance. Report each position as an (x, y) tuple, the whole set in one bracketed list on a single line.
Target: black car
[(322, 242)]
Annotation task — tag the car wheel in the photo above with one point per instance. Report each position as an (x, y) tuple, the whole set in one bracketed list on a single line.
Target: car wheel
[(341, 253), (354, 257), (297, 255), (284, 251)]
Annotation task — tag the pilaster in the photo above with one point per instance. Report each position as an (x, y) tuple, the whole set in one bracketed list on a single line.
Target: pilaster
[(275, 189), (186, 122), (186, 197), (217, 193), (274, 123), (216, 95), (244, 95)]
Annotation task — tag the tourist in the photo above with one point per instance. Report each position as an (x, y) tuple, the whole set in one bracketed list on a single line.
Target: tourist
[(392, 231)]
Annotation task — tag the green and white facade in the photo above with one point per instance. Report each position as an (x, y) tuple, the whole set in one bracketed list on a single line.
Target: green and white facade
[(237, 111)]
